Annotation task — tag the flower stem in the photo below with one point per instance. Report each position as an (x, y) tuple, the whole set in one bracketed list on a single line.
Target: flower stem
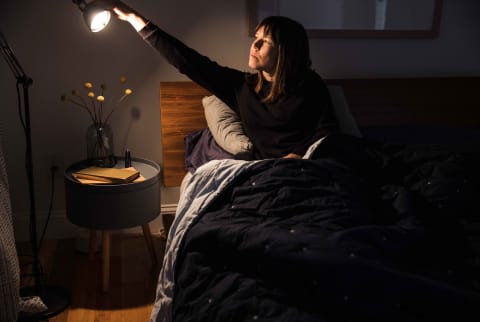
[(84, 107), (113, 109), (96, 120)]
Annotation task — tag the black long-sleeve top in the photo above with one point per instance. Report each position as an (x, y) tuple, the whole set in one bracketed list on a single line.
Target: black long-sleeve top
[(289, 125)]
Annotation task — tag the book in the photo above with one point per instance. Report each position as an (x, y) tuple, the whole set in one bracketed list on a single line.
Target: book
[(105, 181), (107, 175)]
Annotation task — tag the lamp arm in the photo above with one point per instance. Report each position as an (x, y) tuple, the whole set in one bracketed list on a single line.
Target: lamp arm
[(12, 60), (106, 4), (81, 4), (19, 74)]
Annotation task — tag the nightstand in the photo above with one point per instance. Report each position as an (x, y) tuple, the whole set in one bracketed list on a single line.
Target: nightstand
[(108, 207)]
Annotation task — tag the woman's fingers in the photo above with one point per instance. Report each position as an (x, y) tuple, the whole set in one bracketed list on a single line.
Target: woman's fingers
[(120, 14), (125, 13)]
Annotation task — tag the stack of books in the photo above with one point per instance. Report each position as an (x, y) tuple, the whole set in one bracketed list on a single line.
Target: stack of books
[(98, 175)]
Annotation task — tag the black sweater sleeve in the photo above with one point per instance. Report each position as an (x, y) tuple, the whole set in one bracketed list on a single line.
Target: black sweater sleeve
[(219, 80)]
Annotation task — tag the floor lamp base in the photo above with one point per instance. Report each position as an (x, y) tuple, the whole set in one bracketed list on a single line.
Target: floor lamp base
[(55, 298)]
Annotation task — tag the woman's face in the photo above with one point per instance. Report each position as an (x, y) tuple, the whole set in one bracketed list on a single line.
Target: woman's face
[(263, 54)]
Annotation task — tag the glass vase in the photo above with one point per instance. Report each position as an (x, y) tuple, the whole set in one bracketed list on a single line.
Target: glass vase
[(100, 145)]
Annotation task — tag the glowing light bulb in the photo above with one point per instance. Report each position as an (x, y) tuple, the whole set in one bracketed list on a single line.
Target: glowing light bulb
[(100, 21)]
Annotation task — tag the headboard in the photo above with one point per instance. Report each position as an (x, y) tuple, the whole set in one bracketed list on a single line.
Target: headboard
[(451, 101), (181, 112)]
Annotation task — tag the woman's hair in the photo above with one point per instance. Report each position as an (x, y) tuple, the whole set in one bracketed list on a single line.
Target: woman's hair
[(293, 58)]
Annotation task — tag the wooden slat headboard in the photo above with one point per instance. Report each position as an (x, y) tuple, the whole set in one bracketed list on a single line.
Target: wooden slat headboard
[(401, 101), (181, 112)]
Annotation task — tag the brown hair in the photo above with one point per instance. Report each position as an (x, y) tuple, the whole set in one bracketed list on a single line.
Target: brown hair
[(293, 58)]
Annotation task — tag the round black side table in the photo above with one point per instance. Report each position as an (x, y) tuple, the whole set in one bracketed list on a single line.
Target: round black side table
[(108, 207)]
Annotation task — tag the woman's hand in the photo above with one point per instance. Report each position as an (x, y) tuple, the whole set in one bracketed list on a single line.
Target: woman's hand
[(292, 156), (126, 13)]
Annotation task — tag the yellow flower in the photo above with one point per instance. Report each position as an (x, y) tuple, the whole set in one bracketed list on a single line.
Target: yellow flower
[(95, 105)]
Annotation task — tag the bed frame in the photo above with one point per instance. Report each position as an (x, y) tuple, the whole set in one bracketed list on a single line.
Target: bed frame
[(451, 101)]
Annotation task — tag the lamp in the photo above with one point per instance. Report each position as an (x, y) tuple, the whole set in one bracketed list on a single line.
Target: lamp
[(55, 298), (95, 13)]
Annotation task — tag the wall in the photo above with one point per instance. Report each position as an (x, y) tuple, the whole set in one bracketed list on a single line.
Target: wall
[(55, 49)]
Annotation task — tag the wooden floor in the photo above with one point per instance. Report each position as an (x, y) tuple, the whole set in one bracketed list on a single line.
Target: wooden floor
[(132, 278)]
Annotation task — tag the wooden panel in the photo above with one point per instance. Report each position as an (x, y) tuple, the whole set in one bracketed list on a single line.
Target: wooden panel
[(181, 113), (389, 101)]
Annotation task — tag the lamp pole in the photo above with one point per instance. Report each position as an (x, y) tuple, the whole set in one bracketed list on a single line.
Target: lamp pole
[(56, 299), (26, 82)]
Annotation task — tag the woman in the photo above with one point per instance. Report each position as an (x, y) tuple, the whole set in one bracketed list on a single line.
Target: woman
[(284, 106)]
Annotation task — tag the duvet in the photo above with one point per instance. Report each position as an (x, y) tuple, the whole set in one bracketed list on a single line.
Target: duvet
[(361, 231)]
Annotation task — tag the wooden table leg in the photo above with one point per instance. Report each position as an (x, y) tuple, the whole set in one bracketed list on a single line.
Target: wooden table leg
[(148, 239), (106, 260), (92, 243)]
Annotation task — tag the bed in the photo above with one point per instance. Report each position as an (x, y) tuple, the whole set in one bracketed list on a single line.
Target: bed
[(376, 224)]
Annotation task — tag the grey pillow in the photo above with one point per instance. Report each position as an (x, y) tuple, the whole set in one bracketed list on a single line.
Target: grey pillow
[(226, 127)]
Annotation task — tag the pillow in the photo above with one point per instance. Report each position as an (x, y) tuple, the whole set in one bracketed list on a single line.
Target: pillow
[(200, 147), (226, 127), (346, 121)]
